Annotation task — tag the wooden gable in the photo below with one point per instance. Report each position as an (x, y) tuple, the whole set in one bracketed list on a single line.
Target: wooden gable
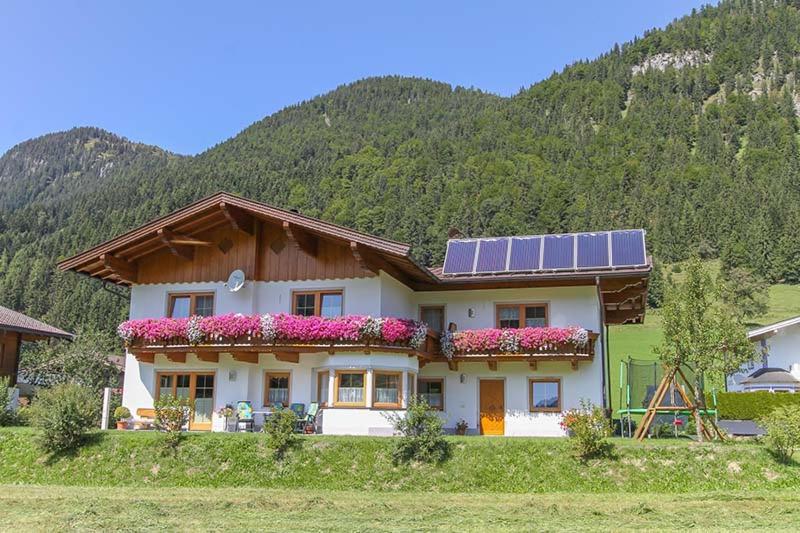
[(269, 254)]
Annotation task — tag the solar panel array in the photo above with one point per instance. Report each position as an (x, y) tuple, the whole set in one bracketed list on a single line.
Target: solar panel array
[(571, 251)]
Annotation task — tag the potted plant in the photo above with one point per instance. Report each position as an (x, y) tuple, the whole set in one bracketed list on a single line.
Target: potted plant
[(122, 414), (225, 413), (461, 427)]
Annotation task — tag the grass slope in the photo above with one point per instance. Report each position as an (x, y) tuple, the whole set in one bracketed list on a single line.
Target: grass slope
[(26, 508), (478, 465)]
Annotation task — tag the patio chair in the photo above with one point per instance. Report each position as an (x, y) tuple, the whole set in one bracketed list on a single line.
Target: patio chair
[(299, 409), (308, 421), (244, 416)]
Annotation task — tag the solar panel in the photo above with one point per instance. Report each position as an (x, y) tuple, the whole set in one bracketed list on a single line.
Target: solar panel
[(558, 252), (460, 257), (593, 250), (525, 253), (597, 250), (492, 255), (627, 248)]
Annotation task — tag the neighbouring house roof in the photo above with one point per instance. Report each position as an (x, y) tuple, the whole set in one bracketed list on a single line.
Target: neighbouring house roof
[(30, 328), (623, 288), (764, 376), (769, 330)]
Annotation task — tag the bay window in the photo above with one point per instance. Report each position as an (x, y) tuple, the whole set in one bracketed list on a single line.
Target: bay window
[(350, 387)]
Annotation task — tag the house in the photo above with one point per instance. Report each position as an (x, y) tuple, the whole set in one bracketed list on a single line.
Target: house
[(16, 328), (779, 368), (315, 312)]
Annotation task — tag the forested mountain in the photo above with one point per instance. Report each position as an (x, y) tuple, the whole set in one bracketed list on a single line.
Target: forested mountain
[(689, 131)]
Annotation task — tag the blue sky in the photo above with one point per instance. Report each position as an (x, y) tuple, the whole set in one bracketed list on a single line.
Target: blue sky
[(187, 75)]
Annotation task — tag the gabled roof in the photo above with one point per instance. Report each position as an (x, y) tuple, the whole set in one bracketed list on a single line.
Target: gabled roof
[(622, 288), (100, 261), (769, 330), (31, 328)]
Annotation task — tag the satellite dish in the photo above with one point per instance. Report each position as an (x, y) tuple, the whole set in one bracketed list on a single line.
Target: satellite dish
[(235, 280)]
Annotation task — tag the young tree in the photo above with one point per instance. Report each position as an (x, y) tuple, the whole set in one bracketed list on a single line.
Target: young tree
[(700, 333), (744, 293)]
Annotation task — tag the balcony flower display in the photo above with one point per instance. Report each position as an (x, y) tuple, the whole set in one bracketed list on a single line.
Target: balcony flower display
[(521, 340), (276, 329)]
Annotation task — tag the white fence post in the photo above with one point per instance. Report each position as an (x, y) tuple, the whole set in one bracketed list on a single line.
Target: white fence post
[(106, 407)]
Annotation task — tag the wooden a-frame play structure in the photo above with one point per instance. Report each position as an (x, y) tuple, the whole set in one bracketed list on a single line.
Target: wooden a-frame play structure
[(671, 382)]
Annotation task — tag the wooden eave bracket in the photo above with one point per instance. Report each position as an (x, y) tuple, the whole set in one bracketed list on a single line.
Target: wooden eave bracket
[(238, 219), (533, 364), (301, 239), (492, 365), (208, 357), (145, 357), (178, 250), (574, 364), (176, 357), (245, 357), (124, 270), (374, 263), (288, 357), (452, 365)]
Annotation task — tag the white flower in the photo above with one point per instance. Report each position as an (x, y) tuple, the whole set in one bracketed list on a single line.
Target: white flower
[(419, 336), (269, 330), (193, 332), (372, 328), (580, 337), (125, 332), (509, 342), (446, 343)]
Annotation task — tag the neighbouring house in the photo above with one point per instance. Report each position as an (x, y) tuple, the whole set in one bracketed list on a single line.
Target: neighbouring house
[(778, 370), (506, 335), (16, 328)]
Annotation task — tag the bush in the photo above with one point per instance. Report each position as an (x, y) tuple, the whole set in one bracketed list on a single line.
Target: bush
[(588, 430), (7, 414), (421, 436), (172, 414), (751, 405), (64, 414), (122, 413), (279, 429), (783, 432)]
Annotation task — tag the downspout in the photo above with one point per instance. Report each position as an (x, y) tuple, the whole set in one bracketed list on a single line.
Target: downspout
[(603, 335)]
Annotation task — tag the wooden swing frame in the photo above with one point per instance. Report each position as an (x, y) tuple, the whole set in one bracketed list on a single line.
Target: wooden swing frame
[(670, 378)]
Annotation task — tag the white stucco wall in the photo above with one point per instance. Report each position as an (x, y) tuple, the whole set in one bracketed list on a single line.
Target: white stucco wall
[(384, 296), (782, 351)]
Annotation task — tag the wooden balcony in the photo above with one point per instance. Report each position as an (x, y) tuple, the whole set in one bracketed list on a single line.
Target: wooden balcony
[(246, 349)]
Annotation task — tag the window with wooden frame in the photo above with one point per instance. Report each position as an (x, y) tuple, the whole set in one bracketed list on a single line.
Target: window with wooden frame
[(322, 388), (544, 395), (318, 303), (197, 387), (387, 389), (432, 391), (350, 388), (186, 304), (521, 316), (433, 316), (276, 388)]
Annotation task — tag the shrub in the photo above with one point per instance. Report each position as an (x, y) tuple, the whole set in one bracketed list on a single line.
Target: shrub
[(122, 413), (279, 429), (7, 414), (588, 430), (783, 432), (751, 405), (64, 414), (172, 413), (421, 436)]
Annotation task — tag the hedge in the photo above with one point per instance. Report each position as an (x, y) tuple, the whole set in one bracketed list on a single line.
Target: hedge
[(752, 405)]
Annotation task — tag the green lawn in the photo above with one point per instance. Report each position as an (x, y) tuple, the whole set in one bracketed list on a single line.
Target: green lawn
[(26, 508)]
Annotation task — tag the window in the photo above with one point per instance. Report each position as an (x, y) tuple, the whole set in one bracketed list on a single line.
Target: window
[(318, 303), (545, 395), (322, 388), (534, 315), (186, 304), (276, 388), (433, 316), (198, 387), (432, 391), (387, 389), (350, 388)]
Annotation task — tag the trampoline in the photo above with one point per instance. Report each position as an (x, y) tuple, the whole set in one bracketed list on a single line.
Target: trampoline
[(638, 381)]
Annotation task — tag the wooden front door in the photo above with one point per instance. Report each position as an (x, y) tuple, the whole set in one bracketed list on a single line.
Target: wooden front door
[(493, 408), (198, 387)]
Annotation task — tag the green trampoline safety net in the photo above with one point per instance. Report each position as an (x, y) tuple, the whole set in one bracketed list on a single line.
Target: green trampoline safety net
[(639, 379)]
